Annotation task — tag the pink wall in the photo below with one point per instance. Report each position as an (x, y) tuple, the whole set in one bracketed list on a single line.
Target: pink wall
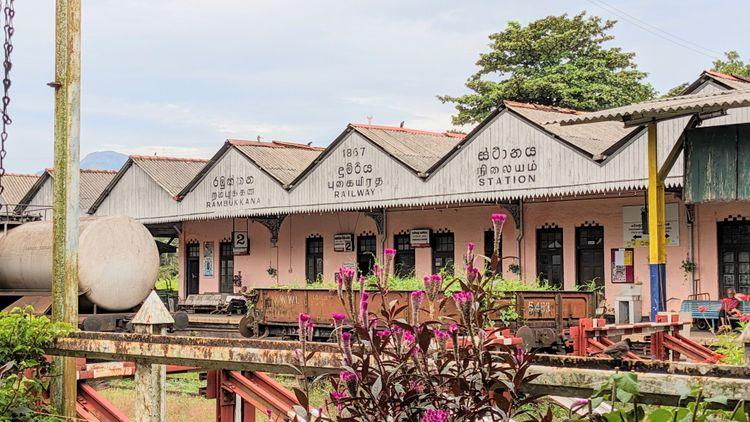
[(706, 240), (468, 224)]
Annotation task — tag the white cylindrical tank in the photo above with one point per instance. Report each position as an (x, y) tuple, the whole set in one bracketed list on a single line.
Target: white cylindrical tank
[(118, 260)]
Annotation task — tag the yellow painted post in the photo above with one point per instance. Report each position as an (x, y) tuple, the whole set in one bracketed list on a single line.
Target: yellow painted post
[(656, 227)]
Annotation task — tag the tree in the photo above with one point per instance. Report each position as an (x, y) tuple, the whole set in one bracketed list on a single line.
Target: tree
[(733, 65), (558, 60)]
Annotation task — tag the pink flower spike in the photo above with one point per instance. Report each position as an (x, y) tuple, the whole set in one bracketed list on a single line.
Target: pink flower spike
[(500, 218), (346, 336), (470, 246), (435, 415), (389, 252), (337, 317)]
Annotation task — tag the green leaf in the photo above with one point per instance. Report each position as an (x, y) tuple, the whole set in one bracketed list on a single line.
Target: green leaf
[(716, 399), (377, 387), (624, 396), (660, 415)]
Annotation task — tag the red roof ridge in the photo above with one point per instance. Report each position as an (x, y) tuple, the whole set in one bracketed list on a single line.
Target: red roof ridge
[(21, 174), (52, 170), (542, 107), (165, 158), (407, 130), (273, 144), (730, 76)]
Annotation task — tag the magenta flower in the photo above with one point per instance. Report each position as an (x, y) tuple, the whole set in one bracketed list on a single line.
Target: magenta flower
[(416, 386), (416, 305), (362, 280), (470, 255), (305, 327), (337, 396), (464, 301), (383, 333), (470, 246), (471, 275), (433, 285), (435, 415), (453, 328), (389, 252), (363, 310), (498, 220), (346, 347), (338, 318), (408, 337), (351, 379)]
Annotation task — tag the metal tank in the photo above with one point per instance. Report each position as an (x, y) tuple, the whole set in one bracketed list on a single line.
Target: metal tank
[(118, 261)]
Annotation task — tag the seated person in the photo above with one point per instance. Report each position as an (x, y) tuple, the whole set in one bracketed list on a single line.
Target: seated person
[(729, 307)]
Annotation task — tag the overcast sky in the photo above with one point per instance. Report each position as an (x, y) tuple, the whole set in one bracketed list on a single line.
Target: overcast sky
[(177, 77)]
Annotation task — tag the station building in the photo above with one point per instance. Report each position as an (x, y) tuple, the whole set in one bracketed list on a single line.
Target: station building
[(283, 214)]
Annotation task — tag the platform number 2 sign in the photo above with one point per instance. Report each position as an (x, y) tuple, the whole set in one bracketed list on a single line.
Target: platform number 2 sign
[(240, 243)]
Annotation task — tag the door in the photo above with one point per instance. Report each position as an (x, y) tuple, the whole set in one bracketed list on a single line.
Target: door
[(489, 249), (226, 267), (366, 252), (590, 255), (734, 256), (443, 251), (314, 259), (405, 258), (549, 258), (192, 268)]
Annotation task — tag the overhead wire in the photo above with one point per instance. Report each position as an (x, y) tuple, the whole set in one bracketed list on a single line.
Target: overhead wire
[(658, 32)]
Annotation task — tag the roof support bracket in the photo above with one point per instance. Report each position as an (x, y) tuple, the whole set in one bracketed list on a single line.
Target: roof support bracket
[(378, 216), (677, 148), (273, 224)]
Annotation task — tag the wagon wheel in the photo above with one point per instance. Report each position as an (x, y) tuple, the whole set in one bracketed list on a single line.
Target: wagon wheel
[(247, 326), (701, 324)]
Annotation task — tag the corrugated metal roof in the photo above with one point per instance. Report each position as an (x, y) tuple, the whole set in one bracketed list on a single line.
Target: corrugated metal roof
[(281, 160), (417, 149), (663, 108), (732, 81), (594, 138), (93, 183), (171, 173), (16, 186)]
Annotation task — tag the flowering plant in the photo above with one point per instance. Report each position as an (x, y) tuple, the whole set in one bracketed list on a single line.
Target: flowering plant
[(401, 363)]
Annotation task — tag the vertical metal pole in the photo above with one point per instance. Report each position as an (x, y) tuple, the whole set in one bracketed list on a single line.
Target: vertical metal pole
[(66, 208), (656, 228)]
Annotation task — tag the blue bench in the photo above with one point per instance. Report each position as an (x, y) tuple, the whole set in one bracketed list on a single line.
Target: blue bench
[(702, 320)]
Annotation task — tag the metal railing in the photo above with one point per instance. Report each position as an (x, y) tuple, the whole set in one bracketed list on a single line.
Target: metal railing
[(11, 217)]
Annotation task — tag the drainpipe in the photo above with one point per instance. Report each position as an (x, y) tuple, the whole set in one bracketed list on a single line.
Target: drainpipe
[(690, 214), (519, 237)]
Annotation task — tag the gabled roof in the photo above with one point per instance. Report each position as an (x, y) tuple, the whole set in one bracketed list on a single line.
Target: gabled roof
[(170, 173), (666, 108), (91, 184), (596, 139), (417, 149), (726, 80), (282, 161), (16, 186)]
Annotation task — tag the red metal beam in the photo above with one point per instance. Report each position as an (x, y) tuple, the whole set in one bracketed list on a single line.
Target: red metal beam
[(92, 406)]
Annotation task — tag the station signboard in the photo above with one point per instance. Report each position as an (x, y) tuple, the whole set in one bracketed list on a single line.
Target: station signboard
[(419, 238), (343, 242)]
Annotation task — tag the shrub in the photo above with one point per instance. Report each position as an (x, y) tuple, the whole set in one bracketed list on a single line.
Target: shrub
[(23, 340)]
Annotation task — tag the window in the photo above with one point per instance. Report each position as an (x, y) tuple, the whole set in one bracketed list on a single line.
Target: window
[(314, 259), (489, 240), (734, 256), (590, 254), (366, 253), (442, 252), (193, 266), (549, 258), (226, 267), (405, 260)]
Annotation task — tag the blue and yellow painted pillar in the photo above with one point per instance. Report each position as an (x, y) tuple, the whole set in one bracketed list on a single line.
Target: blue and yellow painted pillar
[(656, 228)]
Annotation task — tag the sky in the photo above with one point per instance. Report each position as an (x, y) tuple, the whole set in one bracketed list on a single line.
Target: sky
[(178, 77)]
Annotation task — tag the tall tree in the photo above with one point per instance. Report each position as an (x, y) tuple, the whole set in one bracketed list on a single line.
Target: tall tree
[(558, 60), (733, 64)]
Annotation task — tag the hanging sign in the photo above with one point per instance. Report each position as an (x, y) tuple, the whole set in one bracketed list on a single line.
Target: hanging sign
[(632, 225), (343, 242), (208, 259), (622, 265), (419, 238), (240, 243)]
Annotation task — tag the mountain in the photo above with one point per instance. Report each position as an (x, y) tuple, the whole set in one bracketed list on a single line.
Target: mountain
[(104, 160)]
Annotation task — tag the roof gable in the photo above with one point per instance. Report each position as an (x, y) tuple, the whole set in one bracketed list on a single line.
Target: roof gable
[(171, 173), (16, 186), (724, 80), (92, 183), (283, 161)]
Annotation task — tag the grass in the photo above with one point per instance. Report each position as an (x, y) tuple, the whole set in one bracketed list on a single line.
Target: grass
[(184, 404), (167, 284)]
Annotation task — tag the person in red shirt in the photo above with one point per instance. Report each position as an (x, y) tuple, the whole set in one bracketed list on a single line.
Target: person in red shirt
[(729, 307)]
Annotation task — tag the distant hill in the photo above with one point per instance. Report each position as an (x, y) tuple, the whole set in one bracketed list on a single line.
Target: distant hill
[(104, 160)]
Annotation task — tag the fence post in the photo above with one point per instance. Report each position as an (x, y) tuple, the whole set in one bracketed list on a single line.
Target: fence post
[(745, 339), (150, 380)]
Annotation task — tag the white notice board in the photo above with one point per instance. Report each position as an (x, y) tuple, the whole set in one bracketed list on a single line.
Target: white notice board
[(632, 229)]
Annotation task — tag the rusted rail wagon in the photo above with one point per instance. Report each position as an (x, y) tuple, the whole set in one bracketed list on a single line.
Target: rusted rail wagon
[(543, 316)]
